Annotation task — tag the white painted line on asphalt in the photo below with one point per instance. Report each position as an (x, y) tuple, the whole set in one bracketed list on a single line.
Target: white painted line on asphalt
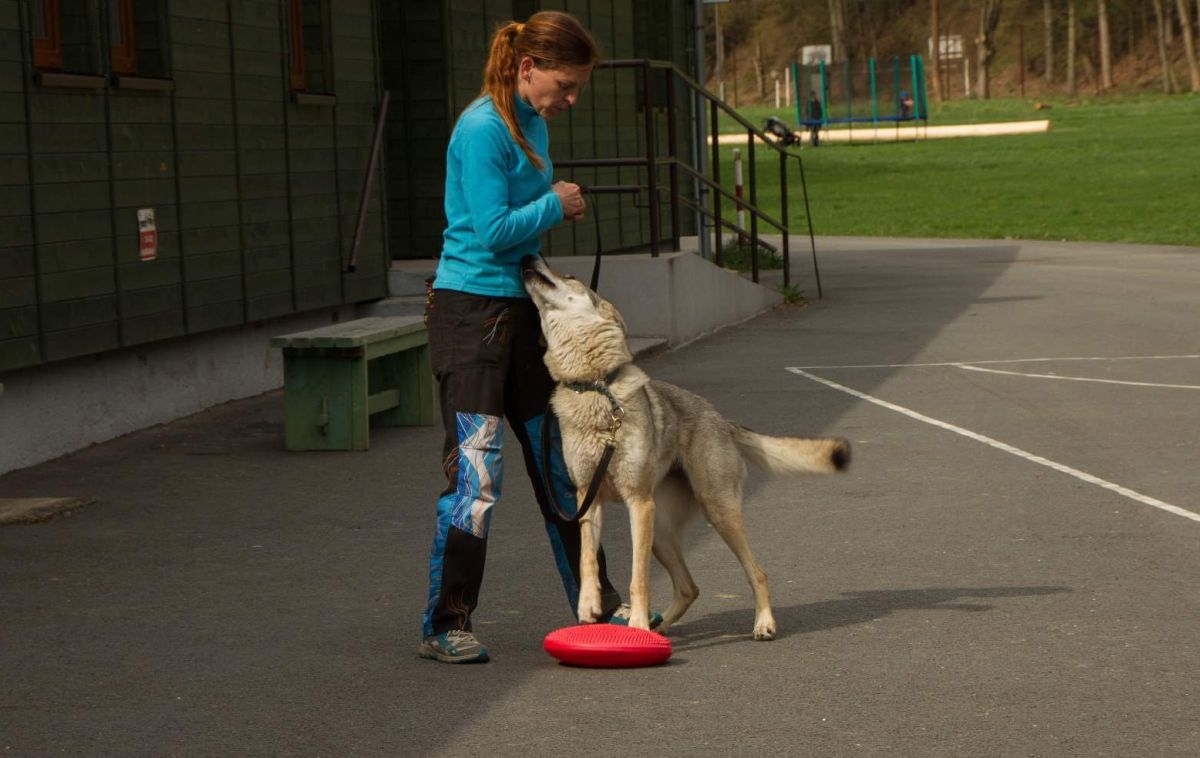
[(1082, 475), (1008, 360), (1077, 378)]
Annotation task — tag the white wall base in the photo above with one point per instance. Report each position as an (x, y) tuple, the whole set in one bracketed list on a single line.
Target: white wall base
[(51, 410), (55, 409)]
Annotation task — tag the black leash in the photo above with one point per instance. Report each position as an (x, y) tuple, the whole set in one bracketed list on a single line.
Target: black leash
[(596, 268), (617, 413)]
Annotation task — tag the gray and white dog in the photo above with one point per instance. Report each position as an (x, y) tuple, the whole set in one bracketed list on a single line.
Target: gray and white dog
[(675, 455)]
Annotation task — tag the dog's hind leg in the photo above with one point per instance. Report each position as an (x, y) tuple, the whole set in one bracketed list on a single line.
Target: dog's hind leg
[(674, 503), (669, 554), (726, 518), (590, 607)]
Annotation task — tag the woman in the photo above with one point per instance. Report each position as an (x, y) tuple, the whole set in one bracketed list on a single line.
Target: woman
[(484, 331)]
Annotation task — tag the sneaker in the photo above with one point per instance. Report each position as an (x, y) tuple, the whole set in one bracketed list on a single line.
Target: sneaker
[(620, 617), (454, 646)]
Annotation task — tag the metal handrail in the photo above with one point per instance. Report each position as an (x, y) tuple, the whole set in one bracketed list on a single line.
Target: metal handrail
[(651, 162)]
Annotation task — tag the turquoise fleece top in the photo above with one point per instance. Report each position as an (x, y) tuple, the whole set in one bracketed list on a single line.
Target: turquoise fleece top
[(497, 202)]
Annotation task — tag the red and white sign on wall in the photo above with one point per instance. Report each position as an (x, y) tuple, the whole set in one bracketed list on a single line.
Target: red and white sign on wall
[(147, 234)]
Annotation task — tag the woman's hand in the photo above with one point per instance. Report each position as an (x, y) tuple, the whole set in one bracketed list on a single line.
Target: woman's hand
[(571, 197)]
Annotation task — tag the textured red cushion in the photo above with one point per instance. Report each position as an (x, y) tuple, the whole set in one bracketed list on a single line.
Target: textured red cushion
[(607, 646)]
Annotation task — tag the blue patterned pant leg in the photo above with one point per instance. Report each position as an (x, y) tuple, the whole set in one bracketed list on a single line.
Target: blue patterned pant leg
[(564, 494), (463, 517)]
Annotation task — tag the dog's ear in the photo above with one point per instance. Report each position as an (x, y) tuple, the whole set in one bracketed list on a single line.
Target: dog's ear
[(610, 313)]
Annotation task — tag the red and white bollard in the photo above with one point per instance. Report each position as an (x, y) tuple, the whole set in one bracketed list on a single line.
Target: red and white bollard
[(737, 191)]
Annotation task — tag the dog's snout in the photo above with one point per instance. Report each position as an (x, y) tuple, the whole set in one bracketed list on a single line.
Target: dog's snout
[(533, 269)]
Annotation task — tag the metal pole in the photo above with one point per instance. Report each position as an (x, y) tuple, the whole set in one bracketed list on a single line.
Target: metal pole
[(737, 192), (363, 199), (699, 153), (651, 160), (800, 102), (874, 96), (716, 177), (754, 215), (674, 168), (812, 240), (783, 216)]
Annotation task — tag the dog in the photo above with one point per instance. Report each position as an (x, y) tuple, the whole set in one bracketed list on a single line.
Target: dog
[(675, 456)]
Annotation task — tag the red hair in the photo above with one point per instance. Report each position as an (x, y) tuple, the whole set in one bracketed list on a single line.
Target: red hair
[(553, 40)]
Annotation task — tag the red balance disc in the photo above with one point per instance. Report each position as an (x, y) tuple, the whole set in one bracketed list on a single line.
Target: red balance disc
[(607, 646)]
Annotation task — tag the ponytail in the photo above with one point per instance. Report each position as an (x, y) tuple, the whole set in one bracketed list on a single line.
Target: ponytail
[(500, 81), (553, 40)]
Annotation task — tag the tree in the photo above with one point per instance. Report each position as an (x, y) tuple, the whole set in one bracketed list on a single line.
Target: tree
[(1072, 85), (719, 69), (935, 33), (1048, 15), (1189, 44), (1160, 22), (989, 19), (1106, 80), (837, 29)]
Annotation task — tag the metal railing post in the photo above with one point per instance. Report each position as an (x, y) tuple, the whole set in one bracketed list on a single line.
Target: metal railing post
[(783, 216), (671, 149), (651, 161), (753, 214), (716, 177)]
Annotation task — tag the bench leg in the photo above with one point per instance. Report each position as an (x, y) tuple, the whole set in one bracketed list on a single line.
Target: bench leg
[(410, 372), (325, 402)]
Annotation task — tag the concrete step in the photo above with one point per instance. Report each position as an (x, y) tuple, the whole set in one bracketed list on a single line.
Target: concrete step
[(402, 305), (644, 347), (407, 277)]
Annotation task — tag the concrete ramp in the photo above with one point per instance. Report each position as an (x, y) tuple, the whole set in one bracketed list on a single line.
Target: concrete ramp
[(676, 296)]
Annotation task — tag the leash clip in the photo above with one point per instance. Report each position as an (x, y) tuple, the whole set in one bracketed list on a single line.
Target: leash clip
[(617, 414)]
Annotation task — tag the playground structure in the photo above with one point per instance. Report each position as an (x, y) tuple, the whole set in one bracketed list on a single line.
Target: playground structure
[(852, 94)]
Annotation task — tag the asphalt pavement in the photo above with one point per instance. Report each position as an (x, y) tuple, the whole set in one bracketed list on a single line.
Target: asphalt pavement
[(997, 574)]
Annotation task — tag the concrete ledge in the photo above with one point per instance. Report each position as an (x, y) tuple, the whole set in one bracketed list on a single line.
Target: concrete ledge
[(30, 510), (676, 296)]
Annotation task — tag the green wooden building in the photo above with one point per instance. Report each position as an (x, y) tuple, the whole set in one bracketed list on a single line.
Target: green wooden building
[(172, 167), (244, 127), (433, 56)]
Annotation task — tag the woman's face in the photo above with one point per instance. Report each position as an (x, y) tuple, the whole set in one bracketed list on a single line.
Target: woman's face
[(550, 90)]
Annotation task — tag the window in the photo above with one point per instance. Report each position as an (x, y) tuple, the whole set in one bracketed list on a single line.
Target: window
[(47, 39), (121, 38), (65, 38), (310, 46)]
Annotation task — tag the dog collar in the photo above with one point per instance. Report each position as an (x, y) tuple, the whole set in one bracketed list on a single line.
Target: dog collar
[(618, 413)]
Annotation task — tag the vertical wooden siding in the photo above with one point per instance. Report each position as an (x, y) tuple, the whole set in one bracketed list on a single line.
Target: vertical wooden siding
[(433, 56), (415, 70), (255, 197), (356, 81), (19, 343)]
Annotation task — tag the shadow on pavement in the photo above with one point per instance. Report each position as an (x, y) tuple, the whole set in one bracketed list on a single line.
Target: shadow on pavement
[(859, 607)]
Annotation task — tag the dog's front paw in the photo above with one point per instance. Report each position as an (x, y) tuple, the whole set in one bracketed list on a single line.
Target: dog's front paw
[(589, 610)]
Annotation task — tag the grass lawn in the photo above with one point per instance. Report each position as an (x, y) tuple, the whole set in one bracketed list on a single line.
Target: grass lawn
[(1120, 169)]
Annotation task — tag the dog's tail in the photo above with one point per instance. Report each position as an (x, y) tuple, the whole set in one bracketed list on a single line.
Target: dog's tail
[(792, 455)]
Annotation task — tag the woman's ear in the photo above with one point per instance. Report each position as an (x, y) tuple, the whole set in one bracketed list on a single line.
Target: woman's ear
[(525, 68)]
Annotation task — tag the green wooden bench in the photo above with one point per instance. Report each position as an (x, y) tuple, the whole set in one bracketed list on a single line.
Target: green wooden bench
[(340, 380)]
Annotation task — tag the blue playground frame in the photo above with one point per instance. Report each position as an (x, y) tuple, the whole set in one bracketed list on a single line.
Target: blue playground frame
[(842, 102)]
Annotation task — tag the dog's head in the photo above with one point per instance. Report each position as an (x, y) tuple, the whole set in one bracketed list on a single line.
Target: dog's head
[(585, 335)]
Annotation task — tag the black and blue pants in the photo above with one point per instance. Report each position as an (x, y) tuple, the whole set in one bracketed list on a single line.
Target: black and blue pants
[(487, 357)]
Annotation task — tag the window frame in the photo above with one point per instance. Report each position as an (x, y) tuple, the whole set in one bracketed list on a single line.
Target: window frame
[(123, 55), (47, 49), (299, 76)]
